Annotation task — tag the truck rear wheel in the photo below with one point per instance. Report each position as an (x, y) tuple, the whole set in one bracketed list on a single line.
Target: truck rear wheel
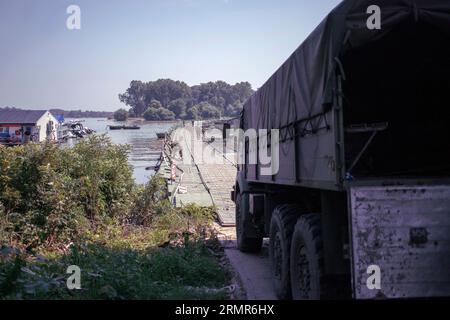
[(306, 258), (247, 239), (281, 229)]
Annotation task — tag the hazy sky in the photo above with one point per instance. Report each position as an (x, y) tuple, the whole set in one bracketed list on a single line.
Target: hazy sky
[(43, 64)]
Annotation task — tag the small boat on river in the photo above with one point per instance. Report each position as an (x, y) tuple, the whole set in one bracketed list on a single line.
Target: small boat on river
[(161, 135), (124, 127), (73, 129)]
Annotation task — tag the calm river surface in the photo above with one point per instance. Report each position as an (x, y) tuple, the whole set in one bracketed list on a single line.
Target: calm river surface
[(141, 155)]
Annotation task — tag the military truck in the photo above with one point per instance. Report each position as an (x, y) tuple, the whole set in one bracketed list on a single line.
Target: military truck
[(360, 205)]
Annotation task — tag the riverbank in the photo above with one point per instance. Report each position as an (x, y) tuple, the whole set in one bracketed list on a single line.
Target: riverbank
[(79, 206)]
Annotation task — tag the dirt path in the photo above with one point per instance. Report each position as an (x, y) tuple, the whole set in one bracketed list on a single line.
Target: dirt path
[(254, 272)]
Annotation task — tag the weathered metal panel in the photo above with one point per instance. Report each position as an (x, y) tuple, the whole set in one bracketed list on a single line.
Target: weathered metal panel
[(405, 230)]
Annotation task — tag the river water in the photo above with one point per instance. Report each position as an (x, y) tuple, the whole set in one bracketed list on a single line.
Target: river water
[(141, 155)]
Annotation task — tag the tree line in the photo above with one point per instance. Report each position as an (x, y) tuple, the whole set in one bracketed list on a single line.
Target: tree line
[(72, 113), (167, 99), (81, 113)]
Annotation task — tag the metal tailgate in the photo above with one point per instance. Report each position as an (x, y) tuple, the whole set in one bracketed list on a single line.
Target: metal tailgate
[(405, 230)]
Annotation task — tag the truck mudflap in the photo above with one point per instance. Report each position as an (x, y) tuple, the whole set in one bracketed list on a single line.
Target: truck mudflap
[(400, 241)]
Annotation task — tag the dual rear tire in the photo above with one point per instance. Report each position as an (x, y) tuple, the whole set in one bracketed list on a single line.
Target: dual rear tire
[(306, 263), (295, 248), (281, 230), (295, 253)]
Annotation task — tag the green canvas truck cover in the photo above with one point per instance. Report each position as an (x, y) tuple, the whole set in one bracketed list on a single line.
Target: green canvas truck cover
[(303, 86)]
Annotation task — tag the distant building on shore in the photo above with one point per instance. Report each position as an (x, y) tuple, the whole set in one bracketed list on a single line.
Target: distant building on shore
[(22, 126)]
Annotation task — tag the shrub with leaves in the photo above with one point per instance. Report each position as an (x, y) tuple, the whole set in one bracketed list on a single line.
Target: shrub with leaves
[(37, 199), (150, 199), (81, 205), (49, 194), (125, 262), (103, 179)]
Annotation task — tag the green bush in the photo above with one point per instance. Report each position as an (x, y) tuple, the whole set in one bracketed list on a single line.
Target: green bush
[(158, 114), (103, 179), (48, 193), (121, 115), (80, 205), (123, 262), (150, 199), (38, 199)]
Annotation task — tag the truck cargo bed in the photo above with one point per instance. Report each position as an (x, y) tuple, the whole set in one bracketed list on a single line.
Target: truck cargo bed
[(397, 81)]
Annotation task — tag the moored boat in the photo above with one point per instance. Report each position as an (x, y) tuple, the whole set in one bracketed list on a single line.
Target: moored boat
[(123, 127)]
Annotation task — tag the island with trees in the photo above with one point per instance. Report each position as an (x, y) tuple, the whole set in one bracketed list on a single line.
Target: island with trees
[(167, 99)]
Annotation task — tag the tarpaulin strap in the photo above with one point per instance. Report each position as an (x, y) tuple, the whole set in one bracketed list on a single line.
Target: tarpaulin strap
[(415, 11), (347, 37), (341, 68)]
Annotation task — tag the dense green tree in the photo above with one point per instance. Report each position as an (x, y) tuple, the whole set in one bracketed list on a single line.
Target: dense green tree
[(135, 97), (155, 104), (242, 91), (233, 110), (151, 114), (165, 114), (166, 90), (131, 114), (193, 113), (178, 107), (157, 114), (208, 111), (121, 115)]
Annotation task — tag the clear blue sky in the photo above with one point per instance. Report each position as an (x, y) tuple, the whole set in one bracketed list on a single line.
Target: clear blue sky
[(43, 64)]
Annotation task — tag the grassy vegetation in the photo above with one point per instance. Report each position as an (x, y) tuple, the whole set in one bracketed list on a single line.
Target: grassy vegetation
[(80, 206)]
